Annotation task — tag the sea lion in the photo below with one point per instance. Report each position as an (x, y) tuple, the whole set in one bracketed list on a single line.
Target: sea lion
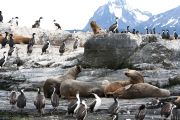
[(56, 82), (69, 88), (19, 39), (177, 102), (135, 77), (95, 28), (140, 90)]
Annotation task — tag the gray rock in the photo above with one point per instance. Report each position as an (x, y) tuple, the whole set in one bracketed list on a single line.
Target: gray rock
[(110, 51)]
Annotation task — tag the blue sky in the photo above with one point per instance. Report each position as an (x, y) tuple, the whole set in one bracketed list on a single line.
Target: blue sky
[(71, 14)]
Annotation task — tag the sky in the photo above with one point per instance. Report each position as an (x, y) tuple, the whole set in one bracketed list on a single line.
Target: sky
[(71, 14)]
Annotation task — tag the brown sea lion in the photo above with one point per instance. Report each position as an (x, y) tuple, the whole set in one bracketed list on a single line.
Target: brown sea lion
[(95, 28), (177, 102), (135, 77), (69, 88), (72, 73), (140, 90), (18, 39)]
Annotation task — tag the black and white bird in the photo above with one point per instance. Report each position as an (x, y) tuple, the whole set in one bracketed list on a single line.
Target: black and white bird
[(4, 40), (55, 99), (32, 40), (175, 34), (166, 110), (147, 31), (75, 45), (37, 23), (163, 35), (11, 41), (45, 47), (134, 31), (94, 106), (114, 27), (12, 98), (113, 109), (18, 60), (74, 105), (10, 51), (57, 25), (167, 34), (127, 29), (62, 48), (3, 59), (82, 111), (39, 102), (21, 100), (140, 115), (29, 48)]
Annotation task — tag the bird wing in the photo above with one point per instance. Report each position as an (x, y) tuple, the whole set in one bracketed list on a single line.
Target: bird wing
[(81, 112)]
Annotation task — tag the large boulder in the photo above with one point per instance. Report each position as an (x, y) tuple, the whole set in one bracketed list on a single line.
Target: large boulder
[(110, 50)]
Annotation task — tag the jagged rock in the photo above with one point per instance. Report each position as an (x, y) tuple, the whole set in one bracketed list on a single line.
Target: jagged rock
[(110, 50)]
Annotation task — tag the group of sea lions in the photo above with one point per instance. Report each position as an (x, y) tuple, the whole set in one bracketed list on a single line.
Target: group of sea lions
[(67, 86)]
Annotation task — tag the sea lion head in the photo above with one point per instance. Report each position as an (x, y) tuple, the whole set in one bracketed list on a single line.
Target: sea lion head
[(136, 77)]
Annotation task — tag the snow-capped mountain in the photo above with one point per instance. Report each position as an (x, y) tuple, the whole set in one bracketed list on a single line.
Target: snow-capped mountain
[(106, 14), (168, 20)]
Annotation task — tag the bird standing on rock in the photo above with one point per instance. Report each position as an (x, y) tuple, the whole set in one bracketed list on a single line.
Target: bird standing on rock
[(114, 27), (166, 110), (45, 47), (4, 40), (55, 100), (74, 105), (140, 115), (11, 41), (39, 102), (82, 111), (113, 109), (21, 100), (11, 50), (75, 45), (62, 48), (3, 60), (12, 98), (57, 25)]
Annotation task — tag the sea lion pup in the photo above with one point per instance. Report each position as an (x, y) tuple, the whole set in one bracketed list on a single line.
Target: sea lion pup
[(140, 90), (95, 28), (50, 83), (135, 77), (69, 88)]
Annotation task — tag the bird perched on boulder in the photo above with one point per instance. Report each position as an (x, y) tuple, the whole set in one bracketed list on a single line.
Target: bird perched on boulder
[(113, 109), (57, 25), (12, 98), (37, 23), (114, 27), (39, 102), (75, 45), (163, 35), (175, 34), (11, 41)]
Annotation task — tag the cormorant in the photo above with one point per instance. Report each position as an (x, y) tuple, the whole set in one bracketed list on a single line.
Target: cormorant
[(4, 40), (166, 110), (62, 48), (114, 27), (11, 41), (3, 60), (45, 47), (147, 31), (39, 102), (175, 34), (21, 100), (167, 34), (113, 109), (82, 111), (37, 23), (140, 115), (55, 99), (75, 45), (1, 17), (163, 35), (74, 105), (12, 98), (57, 25)]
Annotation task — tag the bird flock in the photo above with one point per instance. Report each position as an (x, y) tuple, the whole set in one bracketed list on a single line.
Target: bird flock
[(79, 109)]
